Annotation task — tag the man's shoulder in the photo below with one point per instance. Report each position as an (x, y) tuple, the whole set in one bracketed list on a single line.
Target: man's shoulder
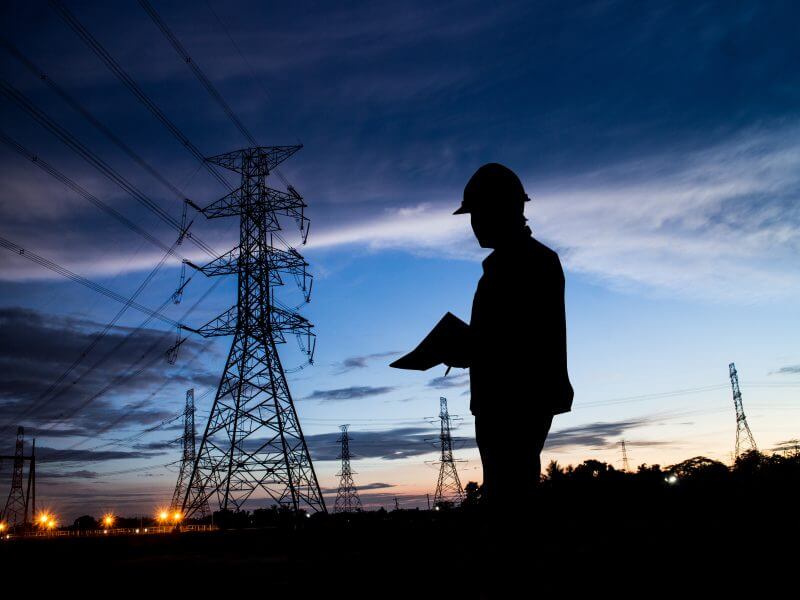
[(541, 249), (542, 253), (528, 254)]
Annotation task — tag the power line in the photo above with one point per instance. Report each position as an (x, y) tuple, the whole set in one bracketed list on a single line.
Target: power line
[(55, 173), (43, 398), (198, 72), (202, 78), (83, 111), (93, 159), (56, 268), (133, 87)]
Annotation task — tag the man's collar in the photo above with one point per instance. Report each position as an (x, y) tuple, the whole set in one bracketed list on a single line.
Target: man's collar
[(523, 236)]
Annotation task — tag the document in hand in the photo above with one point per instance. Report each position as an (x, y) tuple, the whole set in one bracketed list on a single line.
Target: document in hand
[(449, 332)]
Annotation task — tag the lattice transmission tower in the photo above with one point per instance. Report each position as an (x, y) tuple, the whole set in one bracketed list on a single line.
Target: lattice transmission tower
[(347, 499), (625, 464), (188, 458), (253, 443), (744, 437), (448, 487), (15, 513)]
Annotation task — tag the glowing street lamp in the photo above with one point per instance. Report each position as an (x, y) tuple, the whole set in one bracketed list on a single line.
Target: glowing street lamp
[(163, 516), (45, 520), (3, 527), (177, 517), (108, 520)]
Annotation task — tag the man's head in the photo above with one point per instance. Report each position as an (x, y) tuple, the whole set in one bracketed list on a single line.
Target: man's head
[(495, 199)]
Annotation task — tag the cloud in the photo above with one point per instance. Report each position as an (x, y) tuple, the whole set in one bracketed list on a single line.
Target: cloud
[(361, 362), (594, 435), (82, 474), (349, 393), (787, 446), (392, 444), (362, 488), (788, 370), (442, 383), (405, 442), (36, 349), (720, 223), (46, 454)]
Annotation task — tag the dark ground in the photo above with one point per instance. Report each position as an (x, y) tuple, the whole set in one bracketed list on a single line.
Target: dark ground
[(672, 543)]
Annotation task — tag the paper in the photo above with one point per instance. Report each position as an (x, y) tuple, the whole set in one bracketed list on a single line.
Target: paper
[(450, 332)]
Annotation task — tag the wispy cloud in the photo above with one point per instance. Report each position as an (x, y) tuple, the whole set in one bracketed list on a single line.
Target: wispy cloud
[(361, 362), (598, 435), (447, 382), (349, 393), (720, 223), (391, 444)]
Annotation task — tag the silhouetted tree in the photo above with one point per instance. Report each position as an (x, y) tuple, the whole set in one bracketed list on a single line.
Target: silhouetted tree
[(472, 496), (84, 523)]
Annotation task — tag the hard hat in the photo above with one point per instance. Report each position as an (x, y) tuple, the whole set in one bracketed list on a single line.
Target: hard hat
[(493, 186)]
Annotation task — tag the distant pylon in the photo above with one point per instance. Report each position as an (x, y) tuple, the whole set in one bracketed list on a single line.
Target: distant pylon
[(625, 465), (347, 499), (748, 443), (448, 488), (188, 458), (15, 512)]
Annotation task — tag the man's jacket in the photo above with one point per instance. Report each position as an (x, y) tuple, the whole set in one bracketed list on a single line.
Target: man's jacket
[(518, 354)]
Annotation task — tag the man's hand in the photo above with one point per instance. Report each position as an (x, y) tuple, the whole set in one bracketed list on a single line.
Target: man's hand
[(457, 356)]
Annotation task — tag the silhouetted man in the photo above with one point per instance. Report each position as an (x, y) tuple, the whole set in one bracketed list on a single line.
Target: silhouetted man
[(517, 350)]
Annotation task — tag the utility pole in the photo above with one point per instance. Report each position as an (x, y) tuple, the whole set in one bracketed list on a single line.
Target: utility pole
[(744, 437), (347, 499), (253, 445), (15, 513), (396, 504), (625, 465), (448, 487), (188, 459)]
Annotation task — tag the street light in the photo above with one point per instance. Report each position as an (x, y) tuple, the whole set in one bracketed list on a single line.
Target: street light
[(108, 520), (46, 520)]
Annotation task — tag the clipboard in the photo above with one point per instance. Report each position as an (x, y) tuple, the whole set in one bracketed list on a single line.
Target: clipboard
[(449, 331)]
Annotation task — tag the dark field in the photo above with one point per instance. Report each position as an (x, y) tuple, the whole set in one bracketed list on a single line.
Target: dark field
[(640, 543)]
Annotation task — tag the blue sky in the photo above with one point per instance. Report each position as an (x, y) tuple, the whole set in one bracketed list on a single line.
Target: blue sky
[(660, 145)]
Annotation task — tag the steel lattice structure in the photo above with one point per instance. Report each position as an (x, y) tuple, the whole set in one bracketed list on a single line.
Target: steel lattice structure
[(347, 499), (742, 428), (15, 513), (188, 458), (448, 487), (253, 442), (625, 464)]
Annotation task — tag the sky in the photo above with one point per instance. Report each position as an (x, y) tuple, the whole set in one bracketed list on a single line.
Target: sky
[(660, 145)]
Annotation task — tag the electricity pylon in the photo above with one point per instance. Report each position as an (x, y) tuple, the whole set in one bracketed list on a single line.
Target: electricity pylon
[(347, 499), (742, 428), (448, 487), (626, 467), (15, 513), (253, 443), (188, 458)]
